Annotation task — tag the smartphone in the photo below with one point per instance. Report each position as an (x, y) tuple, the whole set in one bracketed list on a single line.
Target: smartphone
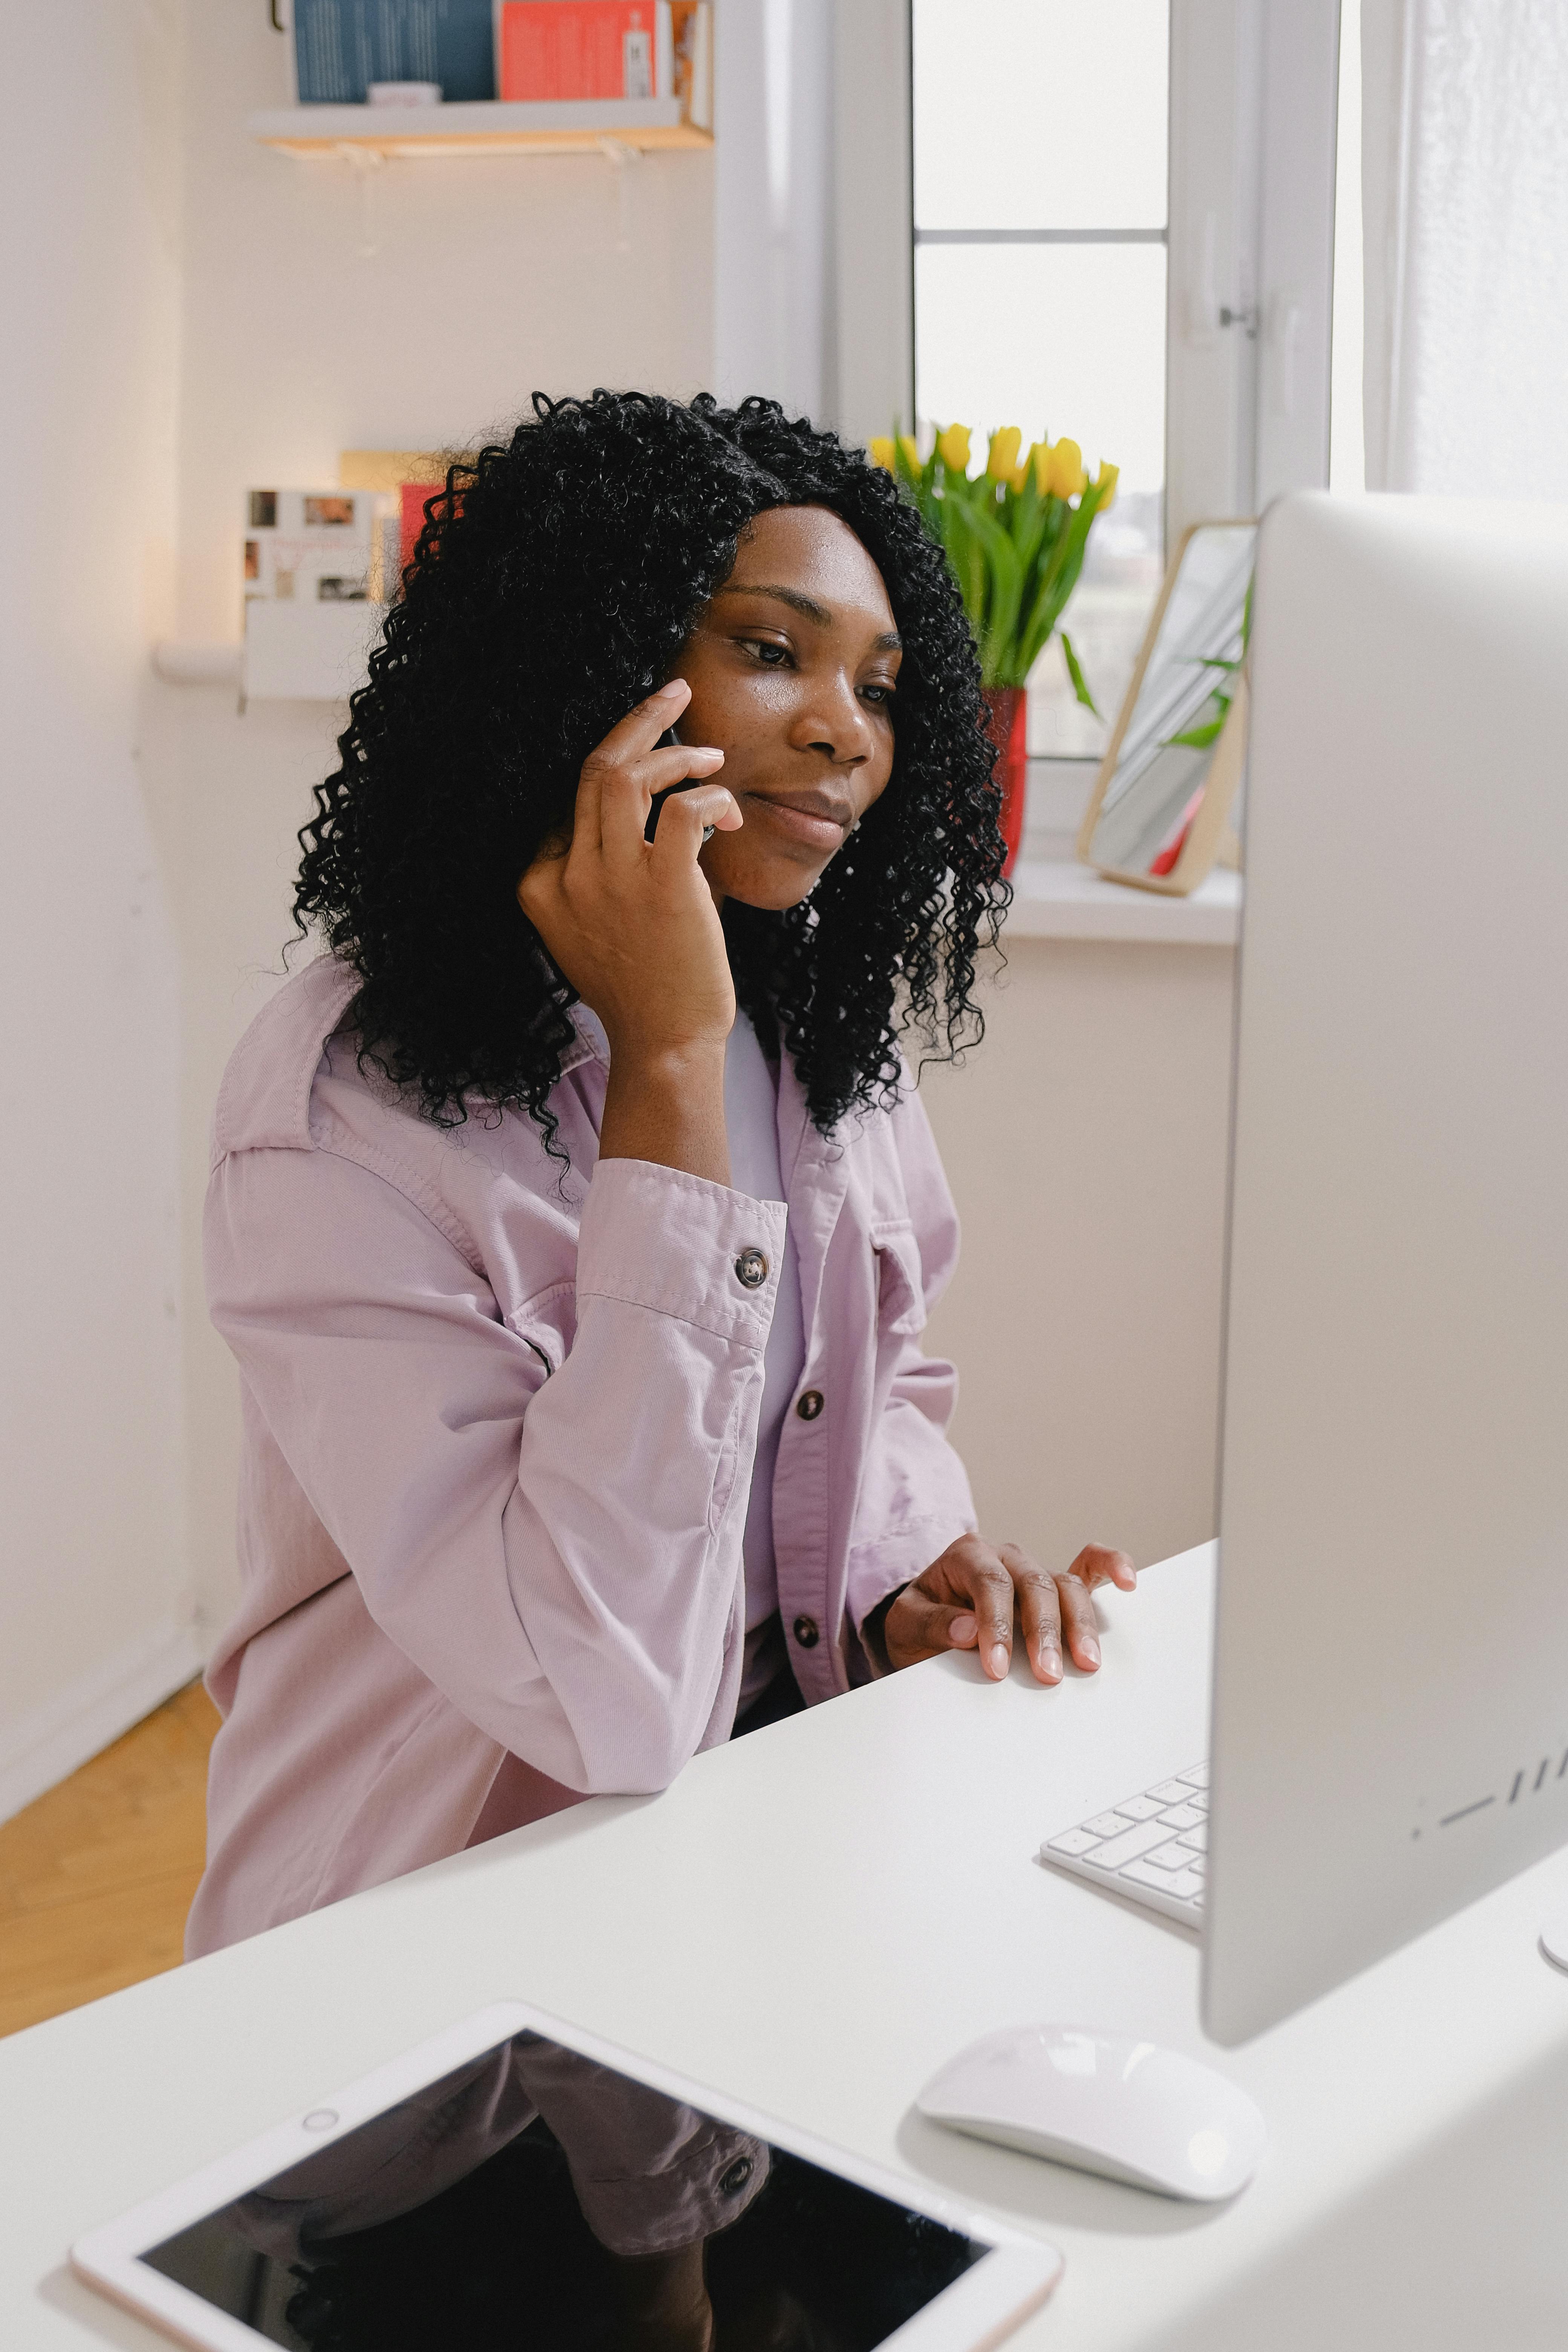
[(669, 739)]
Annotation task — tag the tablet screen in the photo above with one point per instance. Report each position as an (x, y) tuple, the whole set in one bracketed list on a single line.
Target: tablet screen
[(536, 2198)]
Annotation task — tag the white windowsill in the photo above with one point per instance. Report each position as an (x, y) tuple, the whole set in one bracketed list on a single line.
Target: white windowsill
[(1058, 898)]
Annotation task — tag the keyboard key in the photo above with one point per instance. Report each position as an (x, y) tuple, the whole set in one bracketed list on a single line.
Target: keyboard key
[(1072, 1841), (1171, 1792), (1128, 1846), (1197, 1838), (1183, 1884), (1196, 1778), (1199, 1864), (1108, 1825), (1200, 1801), (1139, 1809), (1172, 1856), (1181, 1817)]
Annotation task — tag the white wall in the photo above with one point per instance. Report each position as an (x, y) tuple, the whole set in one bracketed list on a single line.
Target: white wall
[(93, 1568), (418, 307), (1086, 1144)]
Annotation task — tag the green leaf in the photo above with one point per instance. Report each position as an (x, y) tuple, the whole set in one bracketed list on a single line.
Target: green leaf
[(1080, 683), (1029, 523), (1059, 576), (1200, 737), (997, 623), (967, 556)]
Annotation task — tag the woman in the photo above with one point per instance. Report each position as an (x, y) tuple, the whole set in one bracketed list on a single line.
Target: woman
[(577, 1314)]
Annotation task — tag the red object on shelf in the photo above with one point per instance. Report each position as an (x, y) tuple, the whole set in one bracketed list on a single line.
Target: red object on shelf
[(1007, 724), (578, 48), (415, 496)]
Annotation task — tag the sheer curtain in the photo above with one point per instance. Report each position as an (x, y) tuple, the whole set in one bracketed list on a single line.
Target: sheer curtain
[(1465, 195)]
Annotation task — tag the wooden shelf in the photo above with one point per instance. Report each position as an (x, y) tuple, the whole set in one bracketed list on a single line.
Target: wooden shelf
[(490, 127)]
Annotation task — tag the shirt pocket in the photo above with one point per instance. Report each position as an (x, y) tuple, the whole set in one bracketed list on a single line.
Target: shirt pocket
[(547, 1325), (901, 1283)]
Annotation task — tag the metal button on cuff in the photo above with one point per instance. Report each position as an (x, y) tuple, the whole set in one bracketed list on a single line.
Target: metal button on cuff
[(735, 2177), (752, 1268), (809, 1406), (805, 1632)]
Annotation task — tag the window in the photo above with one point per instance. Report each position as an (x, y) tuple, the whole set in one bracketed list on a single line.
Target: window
[(1127, 222), (1040, 177)]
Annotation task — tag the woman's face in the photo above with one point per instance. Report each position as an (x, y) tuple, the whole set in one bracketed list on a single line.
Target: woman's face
[(792, 668)]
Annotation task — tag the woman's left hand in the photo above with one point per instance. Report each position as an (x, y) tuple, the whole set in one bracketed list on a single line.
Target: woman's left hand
[(967, 1599)]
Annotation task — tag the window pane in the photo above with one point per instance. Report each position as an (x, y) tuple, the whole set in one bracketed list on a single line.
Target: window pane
[(1105, 621), (1071, 337), (1068, 338), (1040, 113)]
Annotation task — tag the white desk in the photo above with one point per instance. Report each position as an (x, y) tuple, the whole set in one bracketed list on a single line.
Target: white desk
[(814, 1919)]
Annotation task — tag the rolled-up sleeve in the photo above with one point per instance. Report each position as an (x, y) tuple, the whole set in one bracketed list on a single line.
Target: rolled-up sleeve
[(556, 1548)]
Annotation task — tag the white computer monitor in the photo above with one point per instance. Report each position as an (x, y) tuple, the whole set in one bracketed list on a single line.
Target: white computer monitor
[(1390, 1734)]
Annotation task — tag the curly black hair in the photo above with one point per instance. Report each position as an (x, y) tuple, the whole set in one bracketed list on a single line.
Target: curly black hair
[(553, 586)]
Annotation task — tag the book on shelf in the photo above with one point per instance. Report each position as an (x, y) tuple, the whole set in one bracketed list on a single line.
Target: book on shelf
[(585, 49), (342, 47)]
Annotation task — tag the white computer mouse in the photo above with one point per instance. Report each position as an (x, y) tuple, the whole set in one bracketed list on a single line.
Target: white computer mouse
[(1105, 2103)]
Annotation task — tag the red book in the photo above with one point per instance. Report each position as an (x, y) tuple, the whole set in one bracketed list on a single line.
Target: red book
[(583, 48)]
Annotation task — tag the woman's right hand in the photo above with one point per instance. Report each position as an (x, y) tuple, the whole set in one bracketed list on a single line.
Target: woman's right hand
[(633, 926)]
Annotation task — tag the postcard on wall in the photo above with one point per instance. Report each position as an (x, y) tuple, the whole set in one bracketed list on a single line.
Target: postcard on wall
[(308, 546)]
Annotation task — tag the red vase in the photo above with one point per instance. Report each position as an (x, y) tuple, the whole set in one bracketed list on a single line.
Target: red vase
[(1007, 724)]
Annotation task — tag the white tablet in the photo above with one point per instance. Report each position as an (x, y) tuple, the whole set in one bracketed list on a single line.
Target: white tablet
[(517, 2183)]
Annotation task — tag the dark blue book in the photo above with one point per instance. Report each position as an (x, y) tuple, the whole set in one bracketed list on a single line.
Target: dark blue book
[(341, 46)]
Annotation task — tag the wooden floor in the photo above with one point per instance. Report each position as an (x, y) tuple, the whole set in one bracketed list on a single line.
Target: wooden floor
[(97, 1875)]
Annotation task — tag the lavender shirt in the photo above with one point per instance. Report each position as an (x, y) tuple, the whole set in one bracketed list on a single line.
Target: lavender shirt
[(498, 1432)]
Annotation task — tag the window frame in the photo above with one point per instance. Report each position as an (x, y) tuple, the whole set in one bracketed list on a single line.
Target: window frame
[(1249, 236)]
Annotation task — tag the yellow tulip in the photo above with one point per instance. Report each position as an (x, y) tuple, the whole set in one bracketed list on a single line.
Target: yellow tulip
[(910, 449), (1003, 455), (880, 449), (952, 448), (1105, 483), (1068, 476), (1039, 457)]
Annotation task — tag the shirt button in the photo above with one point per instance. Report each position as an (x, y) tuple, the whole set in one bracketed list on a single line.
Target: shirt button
[(735, 2177), (810, 1404), (805, 1632), (752, 1268)]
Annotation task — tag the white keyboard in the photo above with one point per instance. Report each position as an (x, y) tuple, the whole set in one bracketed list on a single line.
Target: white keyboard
[(1151, 1848)]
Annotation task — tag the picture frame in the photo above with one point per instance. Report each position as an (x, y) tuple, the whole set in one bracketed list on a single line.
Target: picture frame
[(1189, 842)]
